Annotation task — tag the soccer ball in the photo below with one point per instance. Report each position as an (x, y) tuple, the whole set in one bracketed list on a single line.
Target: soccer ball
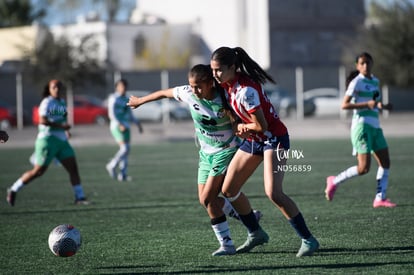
[(64, 240)]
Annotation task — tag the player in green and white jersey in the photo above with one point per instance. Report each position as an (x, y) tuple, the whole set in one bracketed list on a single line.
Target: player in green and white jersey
[(120, 116), (363, 97), (213, 124), (51, 142)]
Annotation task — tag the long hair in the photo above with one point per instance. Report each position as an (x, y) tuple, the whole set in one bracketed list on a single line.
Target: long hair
[(203, 73), (243, 62), (352, 74)]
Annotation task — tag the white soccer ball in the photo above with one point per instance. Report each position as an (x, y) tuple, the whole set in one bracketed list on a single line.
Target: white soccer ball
[(64, 240)]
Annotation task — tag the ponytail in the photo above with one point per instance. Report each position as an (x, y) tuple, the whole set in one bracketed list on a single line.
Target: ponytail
[(243, 62)]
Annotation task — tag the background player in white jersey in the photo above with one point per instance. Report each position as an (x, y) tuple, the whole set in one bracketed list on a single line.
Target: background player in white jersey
[(363, 96), (213, 124), (51, 142), (120, 116)]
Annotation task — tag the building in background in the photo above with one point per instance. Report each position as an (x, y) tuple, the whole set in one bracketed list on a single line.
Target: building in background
[(218, 23)]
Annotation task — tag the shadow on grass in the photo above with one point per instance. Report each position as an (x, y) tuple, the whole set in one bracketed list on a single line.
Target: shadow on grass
[(376, 250), (212, 269), (93, 207), (256, 269)]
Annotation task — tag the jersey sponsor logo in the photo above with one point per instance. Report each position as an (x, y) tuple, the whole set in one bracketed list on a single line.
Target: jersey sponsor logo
[(57, 111), (206, 120)]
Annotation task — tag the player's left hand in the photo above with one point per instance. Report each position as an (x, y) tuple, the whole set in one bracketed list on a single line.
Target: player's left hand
[(387, 106)]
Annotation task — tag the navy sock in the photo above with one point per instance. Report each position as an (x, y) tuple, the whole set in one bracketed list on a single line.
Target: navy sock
[(298, 223), (250, 222), (218, 220)]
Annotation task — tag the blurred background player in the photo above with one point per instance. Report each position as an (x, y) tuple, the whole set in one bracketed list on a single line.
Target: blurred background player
[(4, 137), (213, 124), (120, 116), (265, 139), (363, 96), (52, 142)]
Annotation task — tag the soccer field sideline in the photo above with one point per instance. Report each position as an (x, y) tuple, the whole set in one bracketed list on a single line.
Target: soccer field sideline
[(396, 125)]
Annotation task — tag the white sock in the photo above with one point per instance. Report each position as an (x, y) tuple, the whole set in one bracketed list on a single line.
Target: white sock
[(17, 185), (346, 175), (122, 151), (78, 190), (229, 210), (222, 232), (382, 179)]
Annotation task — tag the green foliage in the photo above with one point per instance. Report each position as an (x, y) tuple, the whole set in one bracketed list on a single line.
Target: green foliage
[(19, 13), (155, 225), (390, 40), (72, 62)]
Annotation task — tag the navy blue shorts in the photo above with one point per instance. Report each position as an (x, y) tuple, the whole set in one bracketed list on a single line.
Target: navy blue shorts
[(257, 148)]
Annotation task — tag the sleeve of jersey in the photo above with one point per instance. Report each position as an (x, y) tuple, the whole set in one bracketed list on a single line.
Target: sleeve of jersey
[(250, 99), (182, 93), (43, 108), (351, 88)]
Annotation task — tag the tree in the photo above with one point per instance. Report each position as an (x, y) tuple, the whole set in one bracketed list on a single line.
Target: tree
[(58, 58), (390, 39), (19, 13)]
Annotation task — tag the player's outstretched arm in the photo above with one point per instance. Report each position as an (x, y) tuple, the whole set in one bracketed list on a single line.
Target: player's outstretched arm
[(135, 102)]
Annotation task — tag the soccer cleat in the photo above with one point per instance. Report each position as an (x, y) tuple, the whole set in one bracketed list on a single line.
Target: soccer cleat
[(254, 239), (124, 178), (225, 250), (330, 188), (308, 247), (11, 197), (111, 171), (258, 215), (82, 201), (383, 203)]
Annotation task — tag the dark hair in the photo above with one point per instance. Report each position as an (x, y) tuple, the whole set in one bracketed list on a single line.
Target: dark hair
[(364, 55), (46, 91), (203, 73), (122, 81), (352, 74), (243, 62)]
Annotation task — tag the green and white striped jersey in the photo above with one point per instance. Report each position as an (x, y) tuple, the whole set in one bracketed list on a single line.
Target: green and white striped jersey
[(118, 112), (363, 89), (54, 109), (213, 127)]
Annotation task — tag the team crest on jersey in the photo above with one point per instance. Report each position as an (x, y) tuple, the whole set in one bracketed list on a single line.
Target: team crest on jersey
[(221, 113), (250, 100)]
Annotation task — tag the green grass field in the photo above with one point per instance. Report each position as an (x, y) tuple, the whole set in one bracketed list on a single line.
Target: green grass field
[(155, 225)]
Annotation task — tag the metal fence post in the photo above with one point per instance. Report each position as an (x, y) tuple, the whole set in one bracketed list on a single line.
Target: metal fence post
[(299, 93)]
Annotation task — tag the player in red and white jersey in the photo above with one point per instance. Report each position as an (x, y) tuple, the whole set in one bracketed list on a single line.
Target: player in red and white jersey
[(265, 140)]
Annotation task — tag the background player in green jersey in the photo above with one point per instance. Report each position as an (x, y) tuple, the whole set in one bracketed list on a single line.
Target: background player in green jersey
[(51, 142), (213, 124), (120, 117), (363, 96)]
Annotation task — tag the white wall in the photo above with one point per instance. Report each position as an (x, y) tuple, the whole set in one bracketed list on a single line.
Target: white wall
[(243, 23)]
